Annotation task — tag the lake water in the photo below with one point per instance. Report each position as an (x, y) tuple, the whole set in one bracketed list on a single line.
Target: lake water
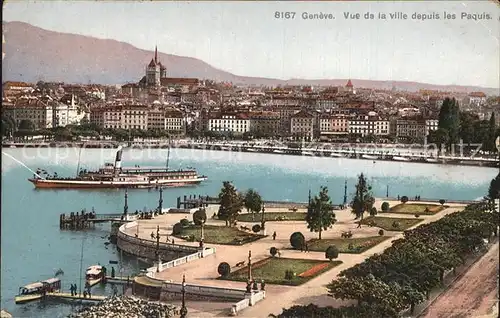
[(33, 247)]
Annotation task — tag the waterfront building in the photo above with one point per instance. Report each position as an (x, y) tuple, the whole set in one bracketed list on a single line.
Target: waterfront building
[(265, 123), (31, 108), (285, 118), (333, 125), (302, 125), (129, 116), (236, 123), (369, 124)]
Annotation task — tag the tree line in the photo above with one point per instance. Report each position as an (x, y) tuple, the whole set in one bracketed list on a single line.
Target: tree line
[(455, 125), (404, 274)]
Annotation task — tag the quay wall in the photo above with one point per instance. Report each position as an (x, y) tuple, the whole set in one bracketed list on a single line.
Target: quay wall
[(147, 248)]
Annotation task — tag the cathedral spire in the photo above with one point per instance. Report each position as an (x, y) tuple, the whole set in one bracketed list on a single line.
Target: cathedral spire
[(156, 54)]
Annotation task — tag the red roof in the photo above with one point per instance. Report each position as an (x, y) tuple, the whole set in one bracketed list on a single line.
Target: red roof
[(349, 83)]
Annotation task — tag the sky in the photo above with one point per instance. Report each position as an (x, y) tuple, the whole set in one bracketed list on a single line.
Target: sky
[(245, 38)]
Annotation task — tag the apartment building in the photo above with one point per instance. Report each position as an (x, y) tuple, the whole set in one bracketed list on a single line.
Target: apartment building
[(285, 115), (236, 123), (302, 125), (370, 124), (265, 123), (333, 125), (39, 112), (131, 116)]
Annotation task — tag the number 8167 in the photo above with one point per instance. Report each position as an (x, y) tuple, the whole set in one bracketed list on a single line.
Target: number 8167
[(284, 15)]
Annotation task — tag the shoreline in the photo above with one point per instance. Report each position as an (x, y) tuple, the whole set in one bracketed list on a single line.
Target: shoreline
[(358, 152)]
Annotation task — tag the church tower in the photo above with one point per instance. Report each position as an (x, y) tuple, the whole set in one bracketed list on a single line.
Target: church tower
[(153, 71)]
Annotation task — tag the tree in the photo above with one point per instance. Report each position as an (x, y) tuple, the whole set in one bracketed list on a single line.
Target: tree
[(224, 269), (297, 240), (26, 125), (332, 252), (231, 203), (363, 199), (449, 119), (494, 189), (273, 251), (199, 217), (373, 211), (385, 207), (253, 201), (404, 199), (442, 201), (491, 136), (320, 214)]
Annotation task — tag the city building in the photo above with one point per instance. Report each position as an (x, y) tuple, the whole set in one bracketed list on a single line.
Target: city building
[(235, 123), (333, 125), (369, 124), (265, 123), (302, 125)]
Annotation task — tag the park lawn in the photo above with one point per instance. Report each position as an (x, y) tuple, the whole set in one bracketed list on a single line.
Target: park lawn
[(417, 208), (272, 270), (220, 235), (386, 222), (358, 244), (272, 216)]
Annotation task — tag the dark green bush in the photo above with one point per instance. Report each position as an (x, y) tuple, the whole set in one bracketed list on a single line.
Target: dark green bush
[(297, 240), (224, 269)]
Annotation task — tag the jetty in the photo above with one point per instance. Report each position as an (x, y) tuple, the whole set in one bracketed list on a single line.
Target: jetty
[(68, 296), (82, 220)]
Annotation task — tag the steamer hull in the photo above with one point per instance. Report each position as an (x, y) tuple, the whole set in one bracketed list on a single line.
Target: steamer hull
[(83, 184)]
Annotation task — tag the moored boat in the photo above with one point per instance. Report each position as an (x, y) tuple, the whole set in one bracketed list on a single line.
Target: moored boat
[(36, 290), (397, 158), (116, 176), (369, 157), (278, 151), (335, 154), (94, 275), (307, 153), (434, 160)]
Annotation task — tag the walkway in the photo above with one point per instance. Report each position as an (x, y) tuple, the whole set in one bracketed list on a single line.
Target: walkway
[(472, 295), (204, 271)]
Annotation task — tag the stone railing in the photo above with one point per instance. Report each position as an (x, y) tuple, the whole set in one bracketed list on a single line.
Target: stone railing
[(151, 271), (250, 300)]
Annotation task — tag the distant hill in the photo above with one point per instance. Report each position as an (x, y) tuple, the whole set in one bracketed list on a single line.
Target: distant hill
[(33, 54)]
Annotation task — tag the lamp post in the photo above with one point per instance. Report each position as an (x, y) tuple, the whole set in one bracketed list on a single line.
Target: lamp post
[(263, 219), (249, 275), (345, 193), (125, 206), (158, 247), (184, 310), (160, 202)]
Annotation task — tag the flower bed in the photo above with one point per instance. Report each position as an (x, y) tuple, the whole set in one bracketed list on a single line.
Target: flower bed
[(313, 270)]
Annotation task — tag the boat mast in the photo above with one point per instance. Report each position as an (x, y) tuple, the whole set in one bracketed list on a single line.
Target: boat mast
[(81, 263), (168, 153), (79, 155)]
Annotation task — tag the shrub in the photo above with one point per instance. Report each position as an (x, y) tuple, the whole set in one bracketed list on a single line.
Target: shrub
[(381, 232), (395, 224), (427, 209), (177, 229), (373, 211), (417, 215), (385, 207), (350, 247), (289, 274), (256, 228), (273, 251), (224, 269), (199, 217), (404, 199), (297, 240), (184, 222), (442, 201), (190, 238), (332, 252)]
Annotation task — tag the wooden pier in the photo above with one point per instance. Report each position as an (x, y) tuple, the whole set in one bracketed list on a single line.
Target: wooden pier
[(193, 201), (82, 220), (68, 296)]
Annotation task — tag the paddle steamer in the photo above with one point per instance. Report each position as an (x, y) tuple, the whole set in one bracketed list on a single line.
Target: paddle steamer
[(116, 176)]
